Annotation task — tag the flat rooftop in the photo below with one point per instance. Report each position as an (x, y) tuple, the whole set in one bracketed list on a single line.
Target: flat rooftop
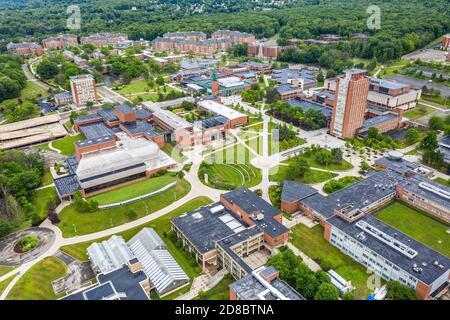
[(97, 130), (379, 119), (220, 109), (251, 203), (425, 257), (308, 104), (208, 225), (117, 281)]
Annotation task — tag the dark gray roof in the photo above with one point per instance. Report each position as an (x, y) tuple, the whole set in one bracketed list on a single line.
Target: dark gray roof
[(67, 185), (308, 104), (140, 127), (286, 88), (122, 280), (72, 164), (214, 122), (425, 254), (293, 191), (283, 75), (326, 94), (143, 113), (124, 109), (93, 142), (249, 288), (87, 117), (107, 115), (96, 130), (379, 119), (250, 202), (203, 228)]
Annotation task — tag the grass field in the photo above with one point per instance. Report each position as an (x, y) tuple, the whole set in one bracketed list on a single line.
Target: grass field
[(44, 200), (43, 146), (440, 100), (36, 283), (174, 153), (237, 153), (220, 292), (418, 112), (4, 270), (134, 87), (47, 178), (281, 173), (67, 144), (442, 181), (312, 243), (417, 225), (74, 223), (5, 283), (341, 166), (134, 190), (231, 176), (161, 225)]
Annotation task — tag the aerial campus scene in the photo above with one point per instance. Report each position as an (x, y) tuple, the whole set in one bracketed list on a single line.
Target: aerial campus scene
[(224, 150)]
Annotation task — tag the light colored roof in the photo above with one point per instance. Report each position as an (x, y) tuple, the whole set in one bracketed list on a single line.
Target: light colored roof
[(220, 109), (230, 82), (155, 106), (132, 156), (172, 120), (158, 264), (29, 123), (109, 255)]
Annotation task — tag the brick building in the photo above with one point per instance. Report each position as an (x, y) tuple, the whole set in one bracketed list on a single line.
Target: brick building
[(446, 42), (25, 49), (104, 39), (60, 42), (83, 89)]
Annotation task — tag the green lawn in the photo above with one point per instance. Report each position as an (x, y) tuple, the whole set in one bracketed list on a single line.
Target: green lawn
[(312, 243), (220, 292), (230, 176), (47, 178), (44, 200), (134, 190), (280, 174), (5, 283), (4, 270), (36, 283), (439, 100), (134, 87), (161, 225), (340, 166), (418, 112), (417, 225), (104, 219), (43, 146), (31, 92), (442, 181), (67, 144), (256, 144), (69, 124), (173, 152)]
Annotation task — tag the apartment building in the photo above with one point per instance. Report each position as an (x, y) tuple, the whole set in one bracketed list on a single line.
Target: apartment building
[(60, 42), (104, 39), (234, 36), (352, 90), (25, 49), (83, 89), (263, 51)]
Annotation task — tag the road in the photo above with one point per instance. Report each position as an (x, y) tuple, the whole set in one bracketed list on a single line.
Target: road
[(109, 95), (32, 78), (418, 83)]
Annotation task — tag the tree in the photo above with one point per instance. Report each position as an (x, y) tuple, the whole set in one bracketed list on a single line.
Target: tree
[(89, 104), (272, 95), (47, 69), (398, 291), (324, 157), (337, 154), (436, 123), (132, 214), (298, 167), (320, 77), (327, 292), (412, 135), (429, 142)]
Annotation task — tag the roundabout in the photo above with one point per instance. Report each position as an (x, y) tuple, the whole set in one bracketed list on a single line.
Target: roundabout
[(25, 246)]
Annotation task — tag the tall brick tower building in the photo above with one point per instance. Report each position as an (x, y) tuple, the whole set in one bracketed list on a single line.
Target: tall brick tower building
[(352, 90)]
